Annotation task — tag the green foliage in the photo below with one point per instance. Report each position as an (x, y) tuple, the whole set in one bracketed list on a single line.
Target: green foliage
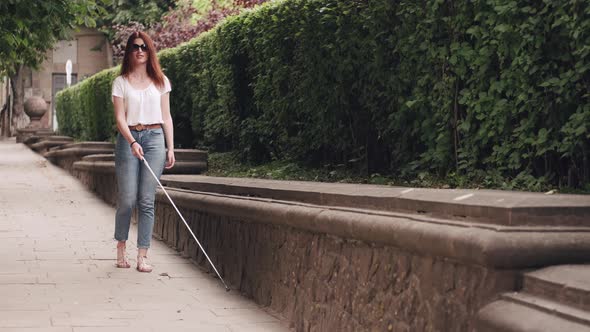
[(145, 12), (29, 28), (202, 7), (491, 91), (85, 111), (226, 164)]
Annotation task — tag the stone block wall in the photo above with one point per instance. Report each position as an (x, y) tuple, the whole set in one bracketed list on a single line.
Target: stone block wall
[(327, 266), (320, 282), (104, 184), (333, 268)]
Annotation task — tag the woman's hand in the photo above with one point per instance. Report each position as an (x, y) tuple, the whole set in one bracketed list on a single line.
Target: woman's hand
[(137, 150), (170, 160)]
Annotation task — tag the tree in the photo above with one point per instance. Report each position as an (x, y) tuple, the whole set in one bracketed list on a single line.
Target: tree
[(145, 12), (29, 28), (183, 22)]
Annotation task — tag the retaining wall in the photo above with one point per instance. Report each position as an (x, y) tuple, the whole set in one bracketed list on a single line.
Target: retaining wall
[(335, 268), (364, 258)]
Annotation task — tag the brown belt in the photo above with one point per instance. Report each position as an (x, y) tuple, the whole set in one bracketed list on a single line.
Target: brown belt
[(141, 127)]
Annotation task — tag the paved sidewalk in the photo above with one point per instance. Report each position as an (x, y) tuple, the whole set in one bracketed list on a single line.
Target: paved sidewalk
[(57, 265)]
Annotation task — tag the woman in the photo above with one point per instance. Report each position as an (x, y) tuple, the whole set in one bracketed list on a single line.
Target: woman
[(141, 98)]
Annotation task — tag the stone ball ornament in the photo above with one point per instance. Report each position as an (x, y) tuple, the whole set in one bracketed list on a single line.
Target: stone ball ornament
[(35, 107)]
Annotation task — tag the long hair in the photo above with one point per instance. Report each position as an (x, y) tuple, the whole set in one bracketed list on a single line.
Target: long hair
[(153, 65)]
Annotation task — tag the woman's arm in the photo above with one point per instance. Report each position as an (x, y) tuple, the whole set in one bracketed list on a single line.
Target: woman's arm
[(168, 129), (119, 106)]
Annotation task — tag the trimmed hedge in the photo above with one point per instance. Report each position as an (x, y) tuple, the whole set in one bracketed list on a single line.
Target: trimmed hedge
[(85, 111), (486, 89)]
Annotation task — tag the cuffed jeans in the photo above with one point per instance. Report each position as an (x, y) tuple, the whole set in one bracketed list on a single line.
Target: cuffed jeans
[(136, 184)]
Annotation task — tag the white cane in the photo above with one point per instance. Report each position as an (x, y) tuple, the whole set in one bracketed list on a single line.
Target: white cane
[(185, 223)]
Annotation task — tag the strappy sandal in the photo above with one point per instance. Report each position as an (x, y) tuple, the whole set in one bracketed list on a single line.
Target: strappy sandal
[(122, 261), (142, 265)]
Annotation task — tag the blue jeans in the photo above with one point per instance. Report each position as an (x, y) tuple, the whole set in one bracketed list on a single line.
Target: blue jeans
[(136, 185)]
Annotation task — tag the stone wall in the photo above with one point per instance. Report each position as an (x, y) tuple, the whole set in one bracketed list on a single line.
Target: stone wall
[(101, 181), (320, 282), (337, 267), (342, 269)]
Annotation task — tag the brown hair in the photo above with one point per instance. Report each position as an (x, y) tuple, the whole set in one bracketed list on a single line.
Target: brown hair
[(153, 65)]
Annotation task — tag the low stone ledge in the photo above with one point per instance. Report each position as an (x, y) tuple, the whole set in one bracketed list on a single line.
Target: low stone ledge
[(187, 161), (97, 171), (338, 269), (98, 166), (191, 155), (187, 167), (485, 206), (350, 268), (107, 146), (356, 269), (559, 294), (509, 315), (78, 152), (495, 247), (102, 166), (30, 140), (567, 284), (99, 157), (43, 145), (23, 134), (65, 155)]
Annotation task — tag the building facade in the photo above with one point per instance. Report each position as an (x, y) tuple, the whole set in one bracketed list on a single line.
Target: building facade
[(88, 50)]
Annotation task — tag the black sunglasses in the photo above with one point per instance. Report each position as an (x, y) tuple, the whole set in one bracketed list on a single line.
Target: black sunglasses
[(137, 47)]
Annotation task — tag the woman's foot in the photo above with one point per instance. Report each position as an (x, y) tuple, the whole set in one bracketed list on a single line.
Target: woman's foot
[(122, 261), (142, 265)]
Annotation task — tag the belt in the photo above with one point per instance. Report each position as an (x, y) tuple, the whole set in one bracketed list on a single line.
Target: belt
[(141, 127)]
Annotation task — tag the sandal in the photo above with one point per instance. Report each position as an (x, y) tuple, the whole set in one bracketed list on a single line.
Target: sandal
[(142, 265), (122, 261)]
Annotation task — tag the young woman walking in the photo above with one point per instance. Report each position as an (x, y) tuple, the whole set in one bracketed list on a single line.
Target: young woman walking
[(141, 100)]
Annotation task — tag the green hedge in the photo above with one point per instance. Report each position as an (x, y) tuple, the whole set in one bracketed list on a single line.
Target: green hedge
[(487, 90), (85, 111)]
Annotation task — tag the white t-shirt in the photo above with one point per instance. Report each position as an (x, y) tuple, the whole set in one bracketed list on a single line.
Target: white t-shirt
[(141, 106)]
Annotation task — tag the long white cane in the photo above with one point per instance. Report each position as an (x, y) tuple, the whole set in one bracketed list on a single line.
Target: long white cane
[(185, 223)]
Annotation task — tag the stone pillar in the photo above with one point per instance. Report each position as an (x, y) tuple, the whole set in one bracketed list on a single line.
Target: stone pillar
[(35, 107)]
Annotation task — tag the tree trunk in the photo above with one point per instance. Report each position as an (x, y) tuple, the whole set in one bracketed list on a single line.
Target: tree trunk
[(19, 118), (4, 119), (456, 125), (7, 109), (585, 166)]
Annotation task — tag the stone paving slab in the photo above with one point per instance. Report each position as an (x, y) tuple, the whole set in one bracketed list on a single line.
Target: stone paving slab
[(57, 265)]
